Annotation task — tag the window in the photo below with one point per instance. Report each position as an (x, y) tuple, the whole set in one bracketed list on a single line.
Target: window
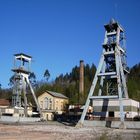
[(41, 104), (111, 114), (56, 106), (46, 104), (50, 106), (62, 106)]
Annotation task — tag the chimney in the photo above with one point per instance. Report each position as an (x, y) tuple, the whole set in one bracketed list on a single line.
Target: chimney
[(81, 77)]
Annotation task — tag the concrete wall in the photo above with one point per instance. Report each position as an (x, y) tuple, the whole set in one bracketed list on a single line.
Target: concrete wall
[(103, 107), (15, 111), (115, 102), (113, 124), (18, 119)]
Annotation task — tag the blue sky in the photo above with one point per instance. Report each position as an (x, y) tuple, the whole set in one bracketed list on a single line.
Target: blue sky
[(59, 33)]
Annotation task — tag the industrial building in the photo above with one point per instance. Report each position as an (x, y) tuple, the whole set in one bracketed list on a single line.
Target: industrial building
[(109, 109), (52, 102)]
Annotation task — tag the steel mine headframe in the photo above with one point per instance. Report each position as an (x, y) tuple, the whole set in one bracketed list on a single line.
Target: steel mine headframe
[(112, 69), (21, 71)]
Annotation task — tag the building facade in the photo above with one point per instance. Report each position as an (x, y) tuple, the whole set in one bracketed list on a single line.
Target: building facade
[(109, 108), (52, 102)]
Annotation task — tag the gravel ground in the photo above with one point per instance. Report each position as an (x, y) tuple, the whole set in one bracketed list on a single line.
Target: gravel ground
[(61, 132)]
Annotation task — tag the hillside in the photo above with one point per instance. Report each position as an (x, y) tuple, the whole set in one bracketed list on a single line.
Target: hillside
[(68, 84), (134, 82)]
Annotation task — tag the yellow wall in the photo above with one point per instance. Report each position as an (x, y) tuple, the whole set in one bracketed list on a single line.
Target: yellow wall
[(48, 116), (41, 100), (57, 104)]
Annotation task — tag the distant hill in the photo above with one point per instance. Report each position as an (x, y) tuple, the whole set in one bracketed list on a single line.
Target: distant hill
[(68, 84)]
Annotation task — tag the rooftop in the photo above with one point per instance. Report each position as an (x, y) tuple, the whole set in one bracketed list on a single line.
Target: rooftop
[(113, 25), (55, 94), (4, 102), (22, 54)]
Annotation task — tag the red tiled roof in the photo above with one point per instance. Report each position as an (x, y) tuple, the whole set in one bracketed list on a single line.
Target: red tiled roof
[(4, 102)]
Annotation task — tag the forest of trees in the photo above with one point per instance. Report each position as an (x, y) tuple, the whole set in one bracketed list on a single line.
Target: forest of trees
[(68, 84), (134, 82)]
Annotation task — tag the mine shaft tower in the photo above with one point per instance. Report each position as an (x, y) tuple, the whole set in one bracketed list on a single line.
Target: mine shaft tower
[(22, 63), (112, 70)]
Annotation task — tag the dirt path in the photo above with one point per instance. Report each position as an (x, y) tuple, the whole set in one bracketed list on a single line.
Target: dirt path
[(56, 132)]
